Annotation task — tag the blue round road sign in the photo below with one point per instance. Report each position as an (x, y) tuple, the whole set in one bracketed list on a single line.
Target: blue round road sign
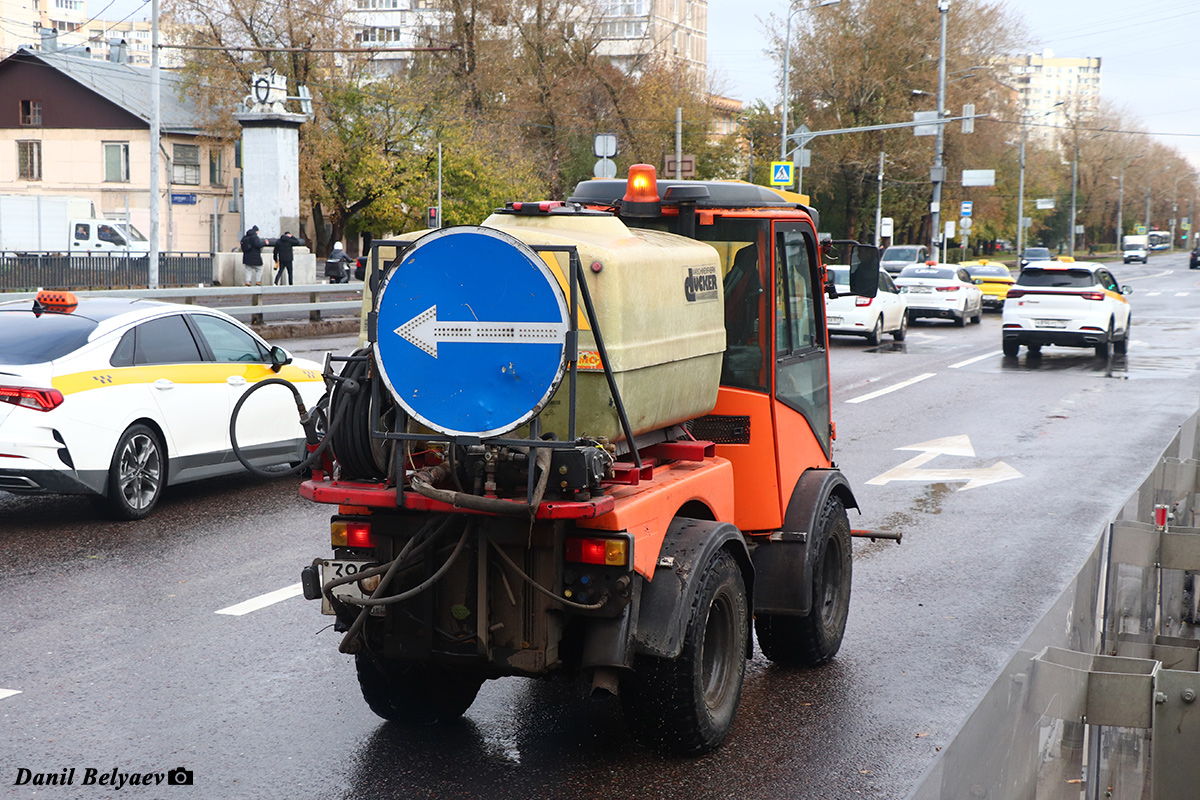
[(472, 329)]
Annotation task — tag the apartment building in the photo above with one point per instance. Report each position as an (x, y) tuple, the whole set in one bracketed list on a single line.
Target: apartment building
[(1053, 91)]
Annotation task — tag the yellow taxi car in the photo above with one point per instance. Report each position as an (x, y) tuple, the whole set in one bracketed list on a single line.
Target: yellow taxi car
[(118, 398), (992, 278)]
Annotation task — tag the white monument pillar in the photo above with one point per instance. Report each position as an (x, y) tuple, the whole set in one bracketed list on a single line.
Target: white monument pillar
[(271, 158)]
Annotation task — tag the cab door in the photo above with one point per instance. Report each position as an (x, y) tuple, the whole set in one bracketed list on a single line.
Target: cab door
[(801, 380)]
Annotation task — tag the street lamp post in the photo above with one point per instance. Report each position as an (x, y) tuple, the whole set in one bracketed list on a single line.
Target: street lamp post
[(938, 173), (787, 58)]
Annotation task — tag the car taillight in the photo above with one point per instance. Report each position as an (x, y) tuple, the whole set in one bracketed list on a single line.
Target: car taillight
[(350, 534), (1092, 295), (862, 301), (1014, 293), (37, 399), (946, 288), (604, 552)]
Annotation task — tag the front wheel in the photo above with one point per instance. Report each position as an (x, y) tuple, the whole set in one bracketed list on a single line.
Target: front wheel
[(1121, 346), (686, 705), (815, 639), (1105, 347), (137, 474), (413, 693)]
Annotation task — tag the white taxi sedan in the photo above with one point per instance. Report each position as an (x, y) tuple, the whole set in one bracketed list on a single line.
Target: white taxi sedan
[(942, 291), (871, 317), (118, 398), (1069, 304)]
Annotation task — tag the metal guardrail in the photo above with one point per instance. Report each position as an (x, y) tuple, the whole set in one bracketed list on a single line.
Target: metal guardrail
[(1103, 699), (31, 270), (259, 298)]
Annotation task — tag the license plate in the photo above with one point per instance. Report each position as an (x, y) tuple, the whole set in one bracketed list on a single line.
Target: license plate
[(331, 570), (835, 320), (1050, 323), (920, 289)]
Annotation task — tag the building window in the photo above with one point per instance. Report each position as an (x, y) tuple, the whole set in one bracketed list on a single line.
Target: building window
[(185, 168), (29, 161), (31, 113), (116, 162), (216, 164)]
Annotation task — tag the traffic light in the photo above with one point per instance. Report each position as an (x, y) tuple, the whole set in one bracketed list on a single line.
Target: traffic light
[(431, 218)]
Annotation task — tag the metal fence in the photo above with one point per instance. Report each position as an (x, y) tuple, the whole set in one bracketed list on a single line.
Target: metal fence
[(30, 271)]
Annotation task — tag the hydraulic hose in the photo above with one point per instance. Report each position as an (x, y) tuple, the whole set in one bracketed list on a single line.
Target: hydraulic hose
[(307, 420), (422, 483)]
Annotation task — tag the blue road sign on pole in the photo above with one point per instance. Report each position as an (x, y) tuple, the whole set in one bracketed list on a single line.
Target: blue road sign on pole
[(967, 206), (472, 330)]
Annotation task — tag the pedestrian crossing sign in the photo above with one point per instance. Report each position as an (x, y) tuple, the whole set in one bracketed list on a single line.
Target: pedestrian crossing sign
[(782, 173)]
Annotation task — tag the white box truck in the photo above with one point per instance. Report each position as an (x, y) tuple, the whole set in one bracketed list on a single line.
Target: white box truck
[(32, 223), (1135, 247)]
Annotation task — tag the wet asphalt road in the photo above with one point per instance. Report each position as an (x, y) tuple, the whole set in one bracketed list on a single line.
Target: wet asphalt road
[(111, 635)]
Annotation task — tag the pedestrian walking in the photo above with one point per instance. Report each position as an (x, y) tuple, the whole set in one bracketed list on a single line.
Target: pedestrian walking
[(252, 245), (337, 266), (283, 254)]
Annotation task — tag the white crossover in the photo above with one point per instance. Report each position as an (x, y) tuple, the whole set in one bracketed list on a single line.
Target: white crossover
[(1069, 304)]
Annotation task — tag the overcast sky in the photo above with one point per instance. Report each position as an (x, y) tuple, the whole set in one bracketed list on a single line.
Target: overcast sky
[(1149, 51)]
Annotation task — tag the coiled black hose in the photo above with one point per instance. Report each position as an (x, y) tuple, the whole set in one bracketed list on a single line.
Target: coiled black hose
[(308, 419), (352, 445)]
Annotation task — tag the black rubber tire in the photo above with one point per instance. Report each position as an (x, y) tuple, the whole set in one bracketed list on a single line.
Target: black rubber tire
[(813, 640), (136, 475), (413, 693), (1121, 346), (978, 318), (898, 335), (1104, 349), (961, 320), (686, 705), (876, 332), (1011, 348)]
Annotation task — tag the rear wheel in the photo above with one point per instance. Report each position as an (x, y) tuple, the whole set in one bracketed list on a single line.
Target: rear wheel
[(137, 474), (815, 639), (876, 332), (685, 705), (1011, 347), (415, 694), (899, 334)]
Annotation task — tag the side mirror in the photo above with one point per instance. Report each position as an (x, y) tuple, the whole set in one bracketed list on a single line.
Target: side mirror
[(864, 270), (1126, 289), (978, 281), (279, 358)]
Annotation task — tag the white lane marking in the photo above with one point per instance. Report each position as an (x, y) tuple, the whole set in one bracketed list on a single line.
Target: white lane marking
[(1153, 294), (8, 693), (911, 470), (1182, 294), (263, 600), (970, 361), (1155, 275), (892, 388)]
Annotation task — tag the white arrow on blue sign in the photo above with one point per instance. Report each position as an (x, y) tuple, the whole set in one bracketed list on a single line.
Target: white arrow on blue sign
[(472, 332)]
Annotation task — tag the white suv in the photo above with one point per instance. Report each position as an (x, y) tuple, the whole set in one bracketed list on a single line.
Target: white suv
[(1070, 304)]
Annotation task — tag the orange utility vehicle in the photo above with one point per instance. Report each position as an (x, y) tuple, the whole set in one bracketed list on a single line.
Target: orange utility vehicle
[(592, 440)]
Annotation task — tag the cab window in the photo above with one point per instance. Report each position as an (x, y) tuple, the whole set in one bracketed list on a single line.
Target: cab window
[(107, 233), (801, 366), (82, 231), (227, 341), (166, 340)]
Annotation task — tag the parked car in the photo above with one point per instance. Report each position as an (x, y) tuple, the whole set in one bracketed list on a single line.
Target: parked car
[(1194, 259), (992, 278), (899, 256), (119, 398), (1033, 254), (1073, 304), (871, 317), (942, 291)]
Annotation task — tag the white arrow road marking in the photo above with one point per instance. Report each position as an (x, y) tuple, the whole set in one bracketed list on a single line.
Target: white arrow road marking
[(425, 332), (8, 693), (263, 600), (911, 470), (892, 388)]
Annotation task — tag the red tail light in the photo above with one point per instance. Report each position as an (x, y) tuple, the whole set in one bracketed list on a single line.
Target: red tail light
[(605, 552), (946, 288), (358, 534), (1015, 293), (862, 301), (37, 399), (1092, 295)]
